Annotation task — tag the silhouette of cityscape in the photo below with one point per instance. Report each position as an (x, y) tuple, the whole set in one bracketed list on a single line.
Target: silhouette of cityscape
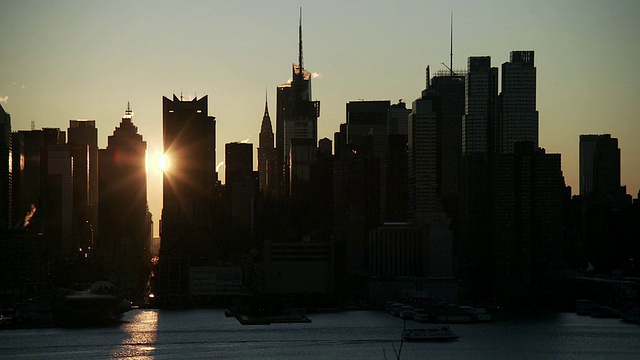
[(449, 199)]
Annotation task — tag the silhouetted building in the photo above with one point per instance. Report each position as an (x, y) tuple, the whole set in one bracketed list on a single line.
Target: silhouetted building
[(242, 188), (421, 153), (367, 126), (527, 234), (83, 138), (58, 203), (518, 120), (124, 238), (396, 198), (188, 183), (297, 118), (6, 201), (17, 180), (481, 92), (600, 167), (478, 122), (32, 182), (267, 156)]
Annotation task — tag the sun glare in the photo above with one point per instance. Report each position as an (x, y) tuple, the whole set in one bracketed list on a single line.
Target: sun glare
[(163, 162)]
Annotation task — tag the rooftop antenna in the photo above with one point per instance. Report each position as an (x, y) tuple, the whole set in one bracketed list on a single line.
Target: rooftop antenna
[(128, 113), (451, 49), (428, 76), (180, 94), (33, 125), (300, 42)]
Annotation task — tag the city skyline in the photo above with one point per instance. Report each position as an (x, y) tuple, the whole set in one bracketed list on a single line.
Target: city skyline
[(84, 60)]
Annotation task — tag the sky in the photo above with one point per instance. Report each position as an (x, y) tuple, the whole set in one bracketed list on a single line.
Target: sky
[(63, 60)]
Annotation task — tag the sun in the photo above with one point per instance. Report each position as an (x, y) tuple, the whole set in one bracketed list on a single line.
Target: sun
[(163, 162)]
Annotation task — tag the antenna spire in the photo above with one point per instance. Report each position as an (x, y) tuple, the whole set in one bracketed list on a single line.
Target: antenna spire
[(451, 53), (300, 41), (266, 104)]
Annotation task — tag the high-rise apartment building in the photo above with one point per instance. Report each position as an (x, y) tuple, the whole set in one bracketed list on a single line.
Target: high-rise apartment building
[(518, 119), (421, 153)]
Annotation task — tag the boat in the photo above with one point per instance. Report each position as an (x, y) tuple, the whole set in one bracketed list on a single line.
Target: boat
[(420, 315), (430, 334), (406, 312), (394, 309)]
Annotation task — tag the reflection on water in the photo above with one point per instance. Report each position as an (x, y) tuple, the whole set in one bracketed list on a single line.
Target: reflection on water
[(142, 331)]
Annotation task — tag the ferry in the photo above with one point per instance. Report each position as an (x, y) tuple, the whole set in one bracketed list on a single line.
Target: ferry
[(430, 334)]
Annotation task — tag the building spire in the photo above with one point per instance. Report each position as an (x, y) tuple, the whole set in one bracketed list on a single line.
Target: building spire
[(128, 114), (300, 42), (451, 52), (266, 105)]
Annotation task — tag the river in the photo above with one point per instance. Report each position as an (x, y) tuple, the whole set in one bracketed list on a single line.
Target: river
[(208, 334)]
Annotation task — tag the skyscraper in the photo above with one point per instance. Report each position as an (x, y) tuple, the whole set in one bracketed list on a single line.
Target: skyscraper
[(599, 165), (187, 229), (367, 126), (83, 138), (267, 156), (518, 119), (297, 118), (123, 206), (421, 152), (481, 90), (5, 170)]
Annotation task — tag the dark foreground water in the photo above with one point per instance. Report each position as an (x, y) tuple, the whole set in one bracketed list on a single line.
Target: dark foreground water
[(207, 334)]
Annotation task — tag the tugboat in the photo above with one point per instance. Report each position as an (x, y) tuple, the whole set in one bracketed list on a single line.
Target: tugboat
[(430, 334)]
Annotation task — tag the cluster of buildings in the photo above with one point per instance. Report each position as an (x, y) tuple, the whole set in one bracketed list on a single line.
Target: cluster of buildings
[(72, 213), (449, 198)]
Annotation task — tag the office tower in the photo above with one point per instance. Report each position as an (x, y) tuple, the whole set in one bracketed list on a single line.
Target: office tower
[(83, 138), (518, 119), (238, 162), (395, 208), (599, 166), (5, 171), (123, 206), (447, 88), (367, 126), (17, 180), (481, 91), (421, 155), (58, 202), (241, 187), (527, 221), (478, 122), (296, 118), (188, 183), (32, 180), (267, 156)]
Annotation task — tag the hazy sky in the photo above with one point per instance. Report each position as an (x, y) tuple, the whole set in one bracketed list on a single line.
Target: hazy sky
[(62, 60)]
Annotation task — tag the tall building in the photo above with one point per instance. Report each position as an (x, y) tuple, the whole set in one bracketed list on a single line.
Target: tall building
[(448, 90), (5, 170), (478, 123), (367, 126), (518, 120), (17, 180), (526, 221), (395, 208), (267, 156), (599, 165), (32, 181), (58, 202), (241, 188), (481, 92), (297, 118), (123, 206), (83, 138), (421, 153), (188, 183)]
